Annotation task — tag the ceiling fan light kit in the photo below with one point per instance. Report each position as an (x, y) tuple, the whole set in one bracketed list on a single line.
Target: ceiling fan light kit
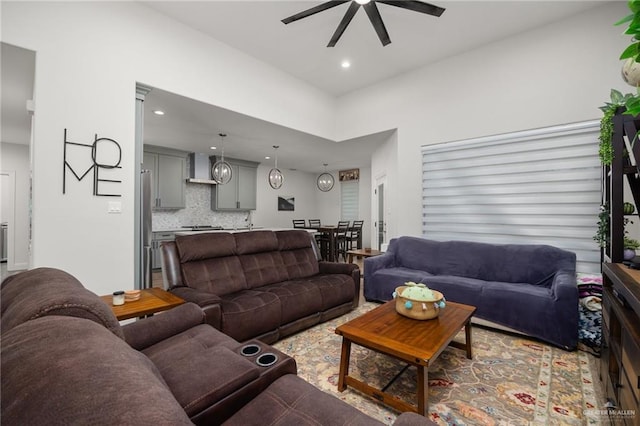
[(372, 12)]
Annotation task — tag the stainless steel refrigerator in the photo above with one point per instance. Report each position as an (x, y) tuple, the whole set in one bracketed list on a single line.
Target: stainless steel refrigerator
[(145, 228)]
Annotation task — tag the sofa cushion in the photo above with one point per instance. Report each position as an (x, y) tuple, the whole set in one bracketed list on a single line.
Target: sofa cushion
[(71, 371), (293, 239), (207, 376), (48, 291), (298, 299), (250, 313), (298, 255), (204, 246), (263, 268), (256, 242), (219, 275), (498, 262), (292, 401)]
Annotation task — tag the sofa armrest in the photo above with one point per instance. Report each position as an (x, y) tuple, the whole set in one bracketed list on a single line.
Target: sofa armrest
[(412, 419), (149, 331), (564, 286), (375, 263), (208, 302), (337, 268), (347, 269)]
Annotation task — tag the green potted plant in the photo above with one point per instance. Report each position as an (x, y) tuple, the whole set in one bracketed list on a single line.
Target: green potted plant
[(631, 75), (631, 70), (602, 233), (609, 109)]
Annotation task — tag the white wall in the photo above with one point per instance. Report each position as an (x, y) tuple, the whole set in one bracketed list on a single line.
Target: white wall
[(556, 74), (15, 158), (89, 56), (300, 185)]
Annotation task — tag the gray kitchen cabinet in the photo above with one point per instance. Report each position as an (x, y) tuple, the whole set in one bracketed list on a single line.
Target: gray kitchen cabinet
[(158, 238), (240, 192), (168, 174)]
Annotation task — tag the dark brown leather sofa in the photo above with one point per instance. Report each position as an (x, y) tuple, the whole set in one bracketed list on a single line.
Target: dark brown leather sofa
[(260, 284), (66, 360)]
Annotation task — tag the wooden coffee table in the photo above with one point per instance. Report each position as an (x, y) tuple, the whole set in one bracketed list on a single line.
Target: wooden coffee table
[(415, 342), (151, 300)]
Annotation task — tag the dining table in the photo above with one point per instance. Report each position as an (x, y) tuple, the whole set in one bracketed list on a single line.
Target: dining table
[(332, 232)]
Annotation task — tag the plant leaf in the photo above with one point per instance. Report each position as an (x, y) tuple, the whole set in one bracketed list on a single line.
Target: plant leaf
[(616, 97), (625, 19), (631, 51)]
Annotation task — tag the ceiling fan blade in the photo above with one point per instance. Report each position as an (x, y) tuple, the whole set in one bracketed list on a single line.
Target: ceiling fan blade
[(376, 21), (416, 6), (353, 8), (321, 7)]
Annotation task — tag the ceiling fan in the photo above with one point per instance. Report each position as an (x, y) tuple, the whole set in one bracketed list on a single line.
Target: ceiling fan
[(372, 12)]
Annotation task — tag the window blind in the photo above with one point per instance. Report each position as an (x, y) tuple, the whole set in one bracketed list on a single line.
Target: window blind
[(349, 200), (538, 186)]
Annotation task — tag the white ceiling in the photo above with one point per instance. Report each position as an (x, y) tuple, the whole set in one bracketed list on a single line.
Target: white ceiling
[(298, 49), (194, 126), (417, 39)]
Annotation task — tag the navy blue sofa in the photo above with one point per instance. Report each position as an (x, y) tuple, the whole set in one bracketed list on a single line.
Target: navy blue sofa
[(528, 288)]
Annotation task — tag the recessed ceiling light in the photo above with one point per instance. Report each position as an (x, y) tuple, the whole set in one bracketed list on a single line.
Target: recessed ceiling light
[(158, 112), (267, 158), (345, 64), (362, 1), (213, 147)]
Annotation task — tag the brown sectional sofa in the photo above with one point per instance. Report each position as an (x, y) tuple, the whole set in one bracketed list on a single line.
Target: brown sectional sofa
[(66, 360), (260, 284)]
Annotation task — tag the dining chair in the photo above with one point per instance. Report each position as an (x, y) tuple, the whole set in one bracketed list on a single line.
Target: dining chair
[(314, 223), (341, 239), (299, 223), (355, 235)]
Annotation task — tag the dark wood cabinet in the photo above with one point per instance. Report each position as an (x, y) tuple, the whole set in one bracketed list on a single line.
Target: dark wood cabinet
[(620, 356)]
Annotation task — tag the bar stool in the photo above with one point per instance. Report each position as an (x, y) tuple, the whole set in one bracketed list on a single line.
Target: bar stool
[(342, 237), (355, 235), (322, 238)]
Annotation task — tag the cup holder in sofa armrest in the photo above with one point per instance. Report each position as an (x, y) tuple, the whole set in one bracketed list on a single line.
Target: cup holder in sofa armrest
[(250, 350), (267, 359)]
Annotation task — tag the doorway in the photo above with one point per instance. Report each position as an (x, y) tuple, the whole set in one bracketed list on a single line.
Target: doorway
[(380, 222), (18, 73)]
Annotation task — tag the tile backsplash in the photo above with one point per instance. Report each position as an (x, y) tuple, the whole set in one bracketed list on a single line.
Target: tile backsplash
[(198, 212)]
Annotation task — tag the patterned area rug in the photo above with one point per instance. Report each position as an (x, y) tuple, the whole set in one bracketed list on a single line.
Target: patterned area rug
[(510, 380)]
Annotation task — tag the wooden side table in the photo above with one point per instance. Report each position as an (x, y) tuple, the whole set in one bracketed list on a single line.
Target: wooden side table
[(151, 300), (362, 253)]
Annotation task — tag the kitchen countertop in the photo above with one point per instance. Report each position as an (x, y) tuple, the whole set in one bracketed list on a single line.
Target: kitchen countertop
[(256, 228), (203, 230)]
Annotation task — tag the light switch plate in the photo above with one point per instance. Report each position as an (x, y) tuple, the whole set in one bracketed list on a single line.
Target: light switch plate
[(114, 207)]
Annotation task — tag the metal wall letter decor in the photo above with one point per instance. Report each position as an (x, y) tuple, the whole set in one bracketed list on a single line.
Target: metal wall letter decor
[(99, 145)]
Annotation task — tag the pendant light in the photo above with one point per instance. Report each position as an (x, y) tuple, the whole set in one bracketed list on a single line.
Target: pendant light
[(221, 170), (325, 180), (275, 175)]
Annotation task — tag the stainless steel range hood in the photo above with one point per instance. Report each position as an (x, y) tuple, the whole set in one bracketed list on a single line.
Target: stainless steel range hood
[(200, 169)]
